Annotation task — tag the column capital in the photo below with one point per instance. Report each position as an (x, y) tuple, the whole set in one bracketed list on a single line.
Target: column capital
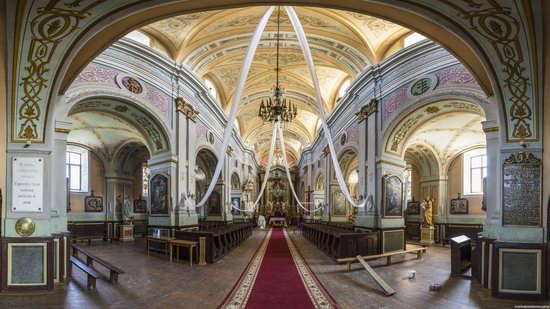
[(186, 108), (367, 110)]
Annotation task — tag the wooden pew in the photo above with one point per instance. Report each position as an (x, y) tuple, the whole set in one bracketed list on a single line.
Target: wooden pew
[(91, 258), (91, 273), (219, 239), (341, 242), (388, 255)]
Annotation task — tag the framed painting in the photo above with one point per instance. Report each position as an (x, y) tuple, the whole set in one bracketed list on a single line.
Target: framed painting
[(392, 196), (140, 205), (413, 207), (93, 203), (160, 195), (459, 206), (338, 204), (318, 204), (236, 202), (214, 204)]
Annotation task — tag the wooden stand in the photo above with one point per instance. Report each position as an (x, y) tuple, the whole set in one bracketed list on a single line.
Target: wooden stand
[(461, 255), (427, 236), (126, 232)]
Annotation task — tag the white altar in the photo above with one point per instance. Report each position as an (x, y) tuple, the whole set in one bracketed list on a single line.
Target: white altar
[(280, 221)]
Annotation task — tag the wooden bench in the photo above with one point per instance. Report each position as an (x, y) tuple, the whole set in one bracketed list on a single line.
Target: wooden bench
[(90, 258), (91, 273), (182, 243), (388, 255)]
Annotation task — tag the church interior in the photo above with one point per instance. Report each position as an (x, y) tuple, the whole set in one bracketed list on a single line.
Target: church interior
[(274, 154)]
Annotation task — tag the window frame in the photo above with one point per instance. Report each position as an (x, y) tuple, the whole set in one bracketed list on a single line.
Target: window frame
[(467, 171), (84, 168)]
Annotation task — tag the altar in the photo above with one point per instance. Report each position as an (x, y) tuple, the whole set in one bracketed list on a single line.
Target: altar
[(277, 221)]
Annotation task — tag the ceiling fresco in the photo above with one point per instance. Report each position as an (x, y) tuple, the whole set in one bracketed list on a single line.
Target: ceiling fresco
[(213, 45)]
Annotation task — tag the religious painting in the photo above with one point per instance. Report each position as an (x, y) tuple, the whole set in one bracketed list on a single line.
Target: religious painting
[(392, 196), (159, 195), (214, 204), (413, 207), (459, 206), (140, 205), (339, 204), (236, 202), (318, 204), (93, 203)]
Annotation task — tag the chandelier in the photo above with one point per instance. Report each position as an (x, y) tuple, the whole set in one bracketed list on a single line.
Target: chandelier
[(276, 107)]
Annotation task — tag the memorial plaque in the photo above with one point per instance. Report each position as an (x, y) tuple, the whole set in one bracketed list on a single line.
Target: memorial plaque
[(521, 194), (27, 184)]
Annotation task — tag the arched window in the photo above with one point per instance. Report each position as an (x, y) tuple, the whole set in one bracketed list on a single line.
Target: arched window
[(77, 168), (139, 37), (474, 170), (343, 88), (413, 38), (145, 171), (211, 88)]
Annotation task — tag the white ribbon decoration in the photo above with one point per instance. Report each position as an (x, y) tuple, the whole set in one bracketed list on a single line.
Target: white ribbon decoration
[(268, 169), (319, 102), (251, 51), (282, 141)]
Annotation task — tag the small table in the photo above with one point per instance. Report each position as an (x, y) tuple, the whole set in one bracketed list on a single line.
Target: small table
[(182, 243), (161, 239)]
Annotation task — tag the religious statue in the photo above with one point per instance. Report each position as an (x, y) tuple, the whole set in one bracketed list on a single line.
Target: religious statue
[(427, 207), (261, 222), (126, 209)]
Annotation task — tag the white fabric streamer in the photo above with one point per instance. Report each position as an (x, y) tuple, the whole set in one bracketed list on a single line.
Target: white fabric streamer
[(282, 140), (268, 168), (237, 100), (319, 102)]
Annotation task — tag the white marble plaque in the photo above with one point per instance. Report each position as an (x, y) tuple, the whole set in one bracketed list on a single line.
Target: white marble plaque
[(27, 184)]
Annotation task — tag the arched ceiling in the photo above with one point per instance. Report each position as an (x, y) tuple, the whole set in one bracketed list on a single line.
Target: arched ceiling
[(213, 45), (107, 126), (444, 137)]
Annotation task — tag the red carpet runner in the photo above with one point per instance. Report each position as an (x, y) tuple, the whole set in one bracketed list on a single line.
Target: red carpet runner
[(278, 277)]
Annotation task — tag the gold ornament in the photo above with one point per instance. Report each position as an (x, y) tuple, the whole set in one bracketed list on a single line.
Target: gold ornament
[(25, 227)]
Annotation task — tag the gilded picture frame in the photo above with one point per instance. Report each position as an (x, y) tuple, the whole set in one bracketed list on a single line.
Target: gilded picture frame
[(392, 197)]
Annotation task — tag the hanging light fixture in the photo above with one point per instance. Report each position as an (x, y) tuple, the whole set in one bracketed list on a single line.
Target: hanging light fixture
[(276, 107)]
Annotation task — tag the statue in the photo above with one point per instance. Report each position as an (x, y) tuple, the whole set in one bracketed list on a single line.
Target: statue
[(427, 207), (126, 210), (261, 222)]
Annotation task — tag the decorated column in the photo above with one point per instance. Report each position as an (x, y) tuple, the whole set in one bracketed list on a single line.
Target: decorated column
[(184, 210)]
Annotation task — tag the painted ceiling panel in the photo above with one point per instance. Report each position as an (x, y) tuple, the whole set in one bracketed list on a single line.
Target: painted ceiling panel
[(213, 45)]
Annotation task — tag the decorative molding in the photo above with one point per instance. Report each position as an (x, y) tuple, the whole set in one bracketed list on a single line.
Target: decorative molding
[(162, 162), (505, 33), (493, 129), (367, 110), (62, 130), (230, 150), (186, 108), (390, 163)]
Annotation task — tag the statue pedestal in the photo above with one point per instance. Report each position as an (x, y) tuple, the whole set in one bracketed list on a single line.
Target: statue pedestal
[(126, 232), (427, 235)]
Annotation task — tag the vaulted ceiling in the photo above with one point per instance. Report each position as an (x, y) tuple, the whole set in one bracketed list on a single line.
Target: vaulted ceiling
[(213, 45)]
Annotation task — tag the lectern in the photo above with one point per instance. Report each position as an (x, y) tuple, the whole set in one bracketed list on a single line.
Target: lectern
[(461, 255)]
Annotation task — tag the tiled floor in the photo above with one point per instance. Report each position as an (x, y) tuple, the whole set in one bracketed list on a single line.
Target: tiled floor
[(153, 282)]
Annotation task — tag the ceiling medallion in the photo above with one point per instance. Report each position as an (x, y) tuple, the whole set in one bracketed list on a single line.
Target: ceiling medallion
[(132, 85), (343, 139), (25, 227), (276, 108)]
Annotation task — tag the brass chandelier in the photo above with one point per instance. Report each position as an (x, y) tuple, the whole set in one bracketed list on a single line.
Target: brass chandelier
[(276, 107)]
